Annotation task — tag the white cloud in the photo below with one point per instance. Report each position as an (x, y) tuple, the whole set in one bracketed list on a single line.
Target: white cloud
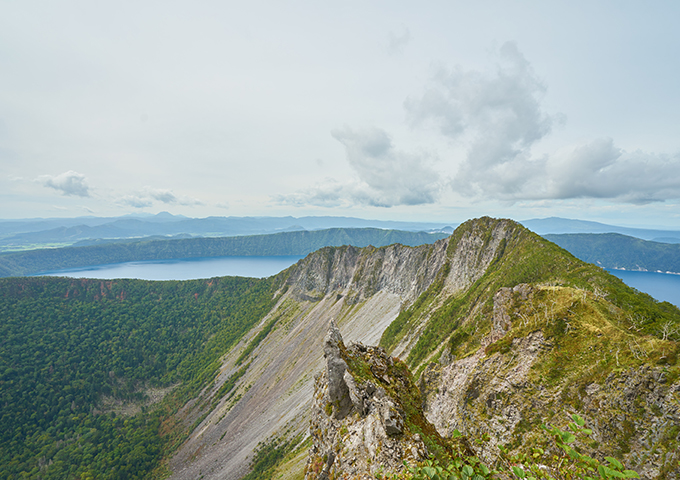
[(393, 177), (165, 196), (168, 197), (386, 177), (601, 170), (68, 183), (330, 193), (148, 196), (135, 201), (498, 117)]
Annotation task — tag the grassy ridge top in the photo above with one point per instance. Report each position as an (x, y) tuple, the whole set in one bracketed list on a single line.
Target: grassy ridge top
[(521, 257), (285, 243)]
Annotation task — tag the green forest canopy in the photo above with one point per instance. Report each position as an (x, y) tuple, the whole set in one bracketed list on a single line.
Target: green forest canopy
[(65, 343)]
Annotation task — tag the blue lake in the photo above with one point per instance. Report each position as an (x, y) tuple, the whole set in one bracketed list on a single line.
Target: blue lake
[(662, 286), (185, 269)]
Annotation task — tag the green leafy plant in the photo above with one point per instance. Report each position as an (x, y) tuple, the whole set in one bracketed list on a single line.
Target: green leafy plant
[(573, 464), (567, 464)]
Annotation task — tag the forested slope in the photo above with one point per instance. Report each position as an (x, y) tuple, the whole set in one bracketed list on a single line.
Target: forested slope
[(66, 345), (613, 250)]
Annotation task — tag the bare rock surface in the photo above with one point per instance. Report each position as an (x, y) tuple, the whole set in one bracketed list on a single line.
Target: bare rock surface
[(361, 290), (469, 255)]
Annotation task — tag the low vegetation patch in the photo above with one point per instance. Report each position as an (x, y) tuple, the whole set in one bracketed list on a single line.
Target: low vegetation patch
[(269, 456)]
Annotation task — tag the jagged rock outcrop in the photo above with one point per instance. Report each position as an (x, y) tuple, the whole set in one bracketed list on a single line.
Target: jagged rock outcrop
[(362, 272), (362, 290), (336, 370), (366, 419)]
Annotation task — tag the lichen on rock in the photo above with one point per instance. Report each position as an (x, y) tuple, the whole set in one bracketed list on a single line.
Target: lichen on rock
[(367, 416)]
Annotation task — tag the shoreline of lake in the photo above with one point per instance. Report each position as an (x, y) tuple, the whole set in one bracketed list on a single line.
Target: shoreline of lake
[(662, 286), (183, 269)]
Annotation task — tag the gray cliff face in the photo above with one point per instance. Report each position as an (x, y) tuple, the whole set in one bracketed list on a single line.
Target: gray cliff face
[(361, 290), (474, 251), (360, 273), (469, 255), (634, 413)]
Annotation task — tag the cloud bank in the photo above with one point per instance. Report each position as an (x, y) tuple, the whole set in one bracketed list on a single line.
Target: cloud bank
[(498, 117), (148, 196), (68, 183), (386, 177), (601, 170)]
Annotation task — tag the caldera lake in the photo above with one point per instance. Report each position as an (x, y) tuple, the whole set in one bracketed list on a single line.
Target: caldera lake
[(185, 269), (661, 286)]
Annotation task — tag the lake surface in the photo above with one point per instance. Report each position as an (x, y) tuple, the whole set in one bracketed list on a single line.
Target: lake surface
[(662, 286), (185, 269)]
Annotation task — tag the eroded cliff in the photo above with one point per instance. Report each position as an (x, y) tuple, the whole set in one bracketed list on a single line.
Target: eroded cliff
[(270, 374), (504, 330)]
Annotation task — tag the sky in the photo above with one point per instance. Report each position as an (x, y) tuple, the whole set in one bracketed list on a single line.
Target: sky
[(393, 110)]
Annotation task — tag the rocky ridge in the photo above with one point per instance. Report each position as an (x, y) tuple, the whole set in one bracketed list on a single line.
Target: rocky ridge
[(633, 411), (505, 339), (362, 290)]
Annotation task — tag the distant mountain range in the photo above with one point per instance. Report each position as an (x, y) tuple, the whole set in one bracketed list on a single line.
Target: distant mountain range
[(553, 225), (98, 241), (613, 250), (37, 233), (285, 243), (52, 232)]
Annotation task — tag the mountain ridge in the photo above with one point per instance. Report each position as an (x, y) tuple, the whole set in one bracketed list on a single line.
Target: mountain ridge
[(284, 243), (22, 233), (365, 311), (558, 225), (463, 314)]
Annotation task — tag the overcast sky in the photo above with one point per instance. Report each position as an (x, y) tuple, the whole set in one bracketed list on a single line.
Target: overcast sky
[(436, 111)]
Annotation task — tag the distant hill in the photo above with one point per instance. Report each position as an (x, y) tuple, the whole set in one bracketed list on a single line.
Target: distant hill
[(557, 225), (35, 233), (613, 250), (285, 243)]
